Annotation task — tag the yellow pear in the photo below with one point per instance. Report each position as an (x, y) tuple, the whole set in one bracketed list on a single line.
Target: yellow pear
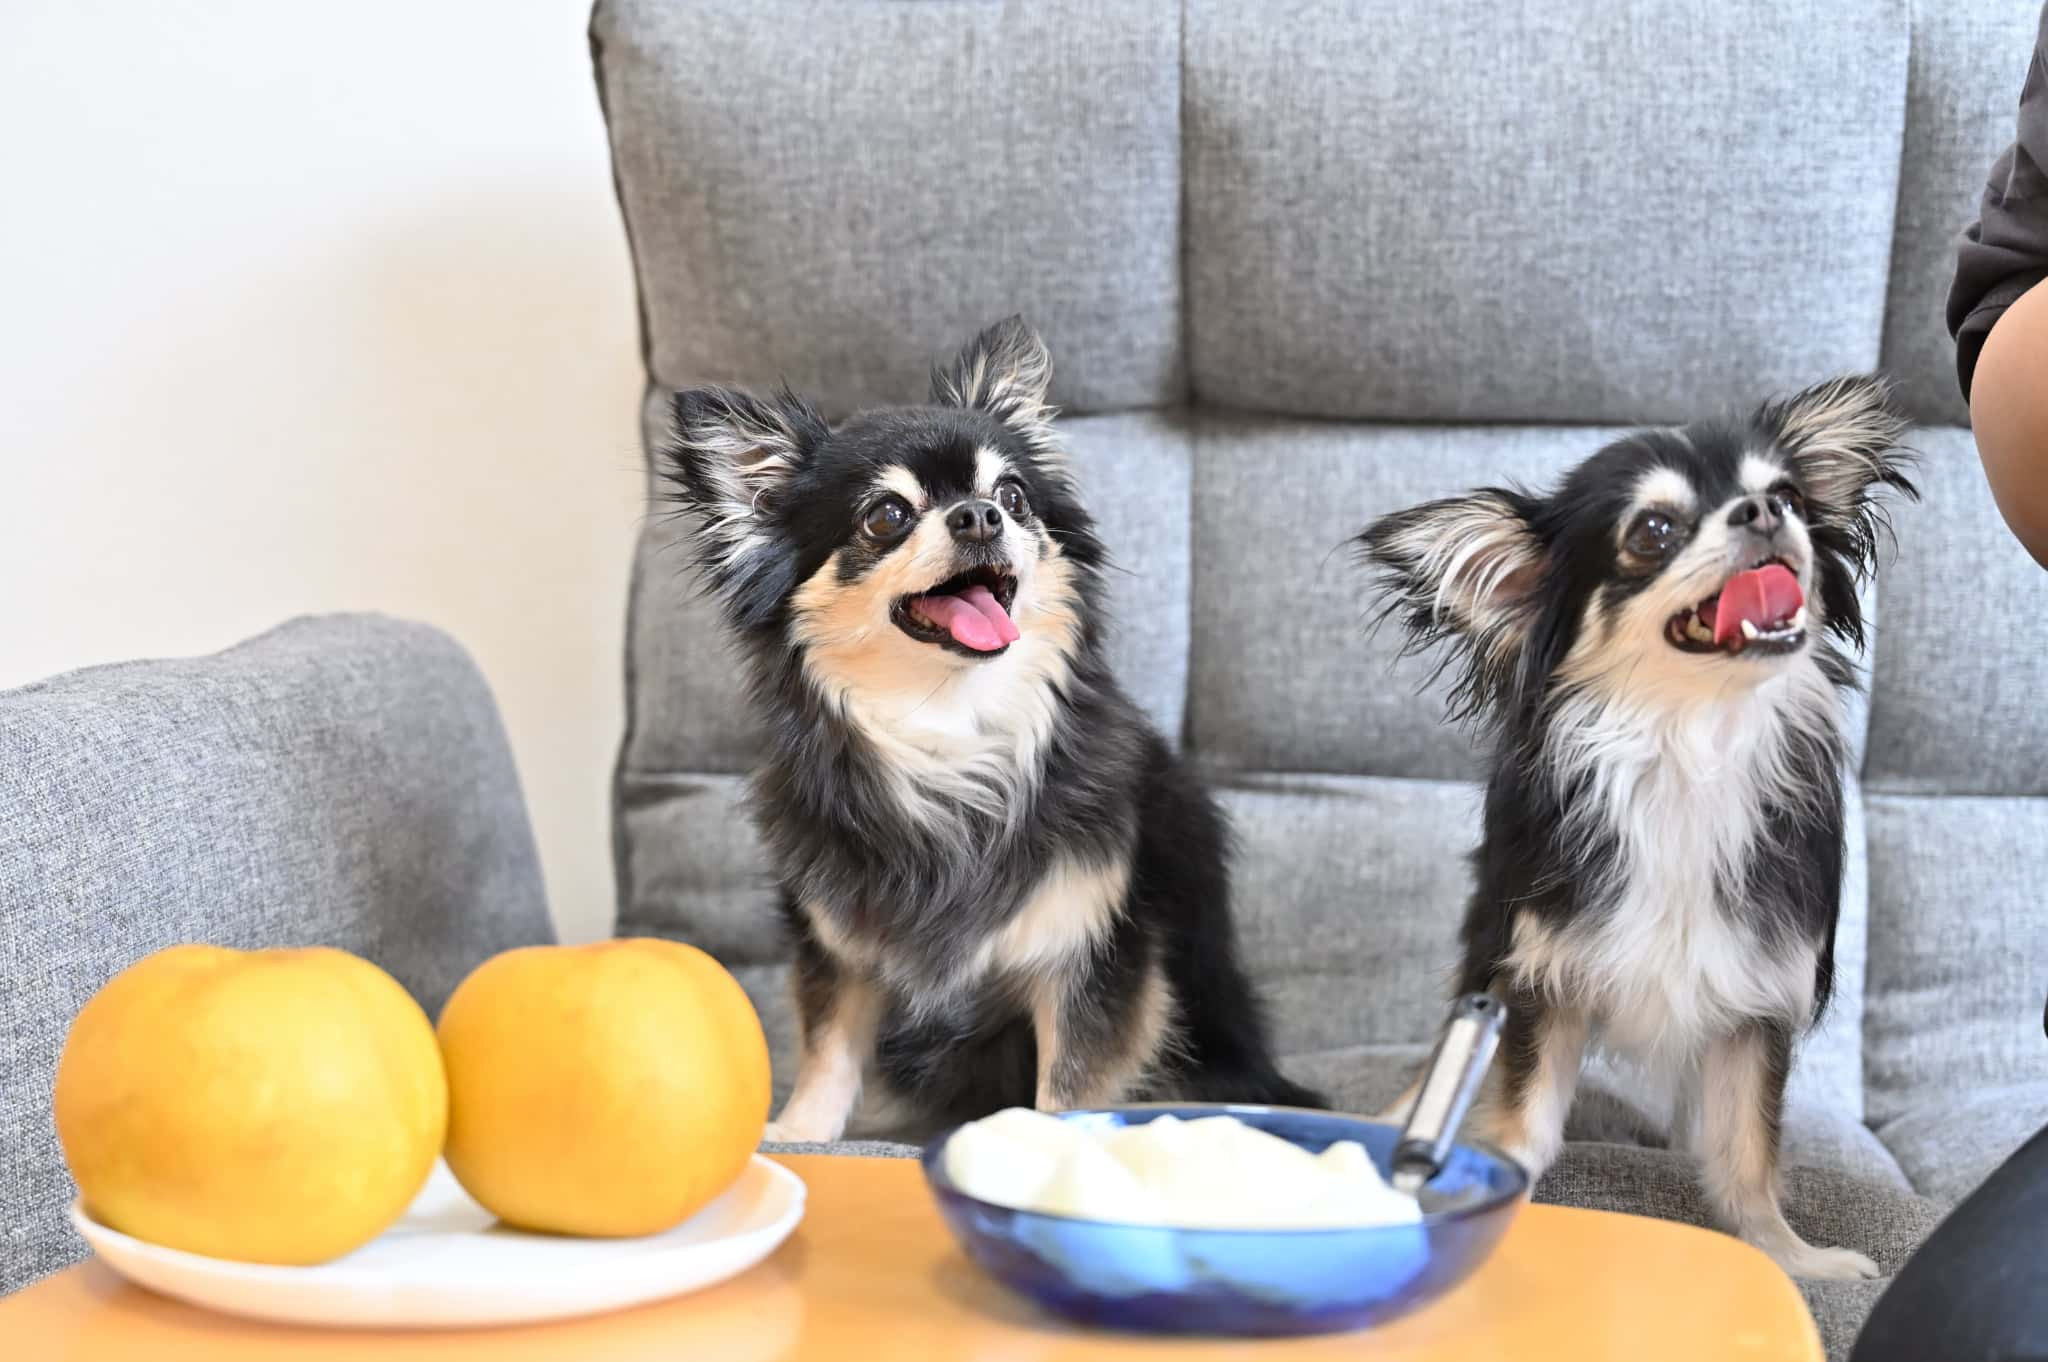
[(277, 1106), (609, 1089)]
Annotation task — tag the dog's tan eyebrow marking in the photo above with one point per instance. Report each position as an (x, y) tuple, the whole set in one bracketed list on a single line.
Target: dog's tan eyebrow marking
[(989, 468), (1663, 486), (900, 480), (1758, 473)]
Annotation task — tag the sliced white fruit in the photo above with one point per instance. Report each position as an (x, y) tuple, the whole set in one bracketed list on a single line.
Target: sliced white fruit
[(1214, 1172), (1748, 630)]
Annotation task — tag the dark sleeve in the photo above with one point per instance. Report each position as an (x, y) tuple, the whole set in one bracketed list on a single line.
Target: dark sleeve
[(2005, 251)]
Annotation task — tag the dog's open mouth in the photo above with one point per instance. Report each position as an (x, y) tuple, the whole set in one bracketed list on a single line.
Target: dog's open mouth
[(969, 614), (1759, 611)]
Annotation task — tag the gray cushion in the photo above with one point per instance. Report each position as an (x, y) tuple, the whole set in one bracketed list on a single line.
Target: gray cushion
[(1959, 700), (1288, 676), (1958, 939), (833, 193), (1947, 1148), (1470, 211), (1349, 892), (340, 781), (1967, 66)]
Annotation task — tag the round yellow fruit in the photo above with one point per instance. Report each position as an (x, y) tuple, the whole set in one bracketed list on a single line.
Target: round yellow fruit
[(279, 1106), (610, 1089)]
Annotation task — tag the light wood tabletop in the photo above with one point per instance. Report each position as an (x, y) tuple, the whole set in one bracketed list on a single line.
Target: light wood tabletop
[(872, 1274)]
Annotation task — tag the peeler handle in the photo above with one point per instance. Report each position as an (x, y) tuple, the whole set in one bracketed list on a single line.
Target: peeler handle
[(1450, 1083)]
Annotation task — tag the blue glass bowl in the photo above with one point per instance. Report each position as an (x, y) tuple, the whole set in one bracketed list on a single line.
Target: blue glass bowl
[(1157, 1279)]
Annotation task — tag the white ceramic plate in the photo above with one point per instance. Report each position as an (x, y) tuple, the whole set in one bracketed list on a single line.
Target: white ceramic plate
[(447, 1262)]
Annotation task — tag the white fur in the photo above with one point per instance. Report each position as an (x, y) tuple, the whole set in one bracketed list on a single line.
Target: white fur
[(1009, 373), (989, 468), (1759, 473), (1842, 433), (1665, 487), (745, 459), (900, 480), (830, 1072), (1680, 782), (1481, 555)]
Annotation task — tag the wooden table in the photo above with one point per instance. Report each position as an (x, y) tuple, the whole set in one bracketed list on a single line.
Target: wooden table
[(872, 1275)]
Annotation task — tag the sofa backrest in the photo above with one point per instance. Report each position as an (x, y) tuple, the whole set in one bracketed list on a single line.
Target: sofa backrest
[(1300, 264)]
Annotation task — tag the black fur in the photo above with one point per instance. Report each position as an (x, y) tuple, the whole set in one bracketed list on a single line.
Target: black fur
[(845, 846)]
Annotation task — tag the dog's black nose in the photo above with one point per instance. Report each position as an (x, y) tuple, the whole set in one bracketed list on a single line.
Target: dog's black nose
[(1764, 512), (975, 522)]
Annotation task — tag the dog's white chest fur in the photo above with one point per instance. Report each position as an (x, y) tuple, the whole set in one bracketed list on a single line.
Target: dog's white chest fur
[(1669, 959)]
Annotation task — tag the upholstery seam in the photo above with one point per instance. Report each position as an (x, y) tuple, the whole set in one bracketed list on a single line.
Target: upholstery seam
[(1188, 401), (1891, 253)]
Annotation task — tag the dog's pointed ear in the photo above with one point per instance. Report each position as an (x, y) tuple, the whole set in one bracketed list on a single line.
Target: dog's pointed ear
[(1842, 437), (729, 460), (1465, 571), (1006, 371)]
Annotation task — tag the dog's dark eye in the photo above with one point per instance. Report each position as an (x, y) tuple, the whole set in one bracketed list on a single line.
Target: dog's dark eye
[(886, 519), (1788, 498), (1652, 535), (1010, 496)]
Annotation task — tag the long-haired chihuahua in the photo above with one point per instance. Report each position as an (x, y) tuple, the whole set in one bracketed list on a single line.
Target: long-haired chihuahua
[(1654, 649), (1000, 885)]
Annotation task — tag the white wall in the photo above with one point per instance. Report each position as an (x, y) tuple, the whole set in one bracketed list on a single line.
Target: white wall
[(314, 307)]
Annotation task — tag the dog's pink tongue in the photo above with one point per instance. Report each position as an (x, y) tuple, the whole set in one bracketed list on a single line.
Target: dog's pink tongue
[(973, 618), (1764, 596), (982, 599)]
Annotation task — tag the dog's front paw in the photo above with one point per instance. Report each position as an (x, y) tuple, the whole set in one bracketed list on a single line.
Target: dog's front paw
[(1826, 1264), (778, 1133)]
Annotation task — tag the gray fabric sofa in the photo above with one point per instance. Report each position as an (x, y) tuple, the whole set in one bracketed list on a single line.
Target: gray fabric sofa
[(341, 781), (1302, 263)]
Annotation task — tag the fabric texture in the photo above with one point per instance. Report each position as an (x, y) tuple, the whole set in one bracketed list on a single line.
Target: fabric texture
[(1959, 688), (1948, 1147), (777, 159), (1468, 212), (1958, 941), (339, 781)]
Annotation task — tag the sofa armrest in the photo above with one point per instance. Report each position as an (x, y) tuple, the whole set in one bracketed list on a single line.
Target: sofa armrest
[(339, 781)]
